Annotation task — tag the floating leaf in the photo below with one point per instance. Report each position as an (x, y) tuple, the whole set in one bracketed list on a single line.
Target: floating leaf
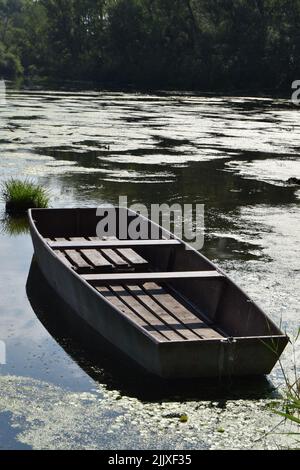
[(184, 418)]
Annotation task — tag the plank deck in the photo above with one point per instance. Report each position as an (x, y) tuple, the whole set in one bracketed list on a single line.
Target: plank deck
[(97, 259), (180, 311), (64, 259), (115, 258), (78, 260), (138, 308), (75, 257), (132, 257), (62, 256), (128, 254), (129, 313), (94, 257), (154, 307)]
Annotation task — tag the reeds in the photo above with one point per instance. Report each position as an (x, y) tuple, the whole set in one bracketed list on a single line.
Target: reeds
[(19, 196), (289, 407)]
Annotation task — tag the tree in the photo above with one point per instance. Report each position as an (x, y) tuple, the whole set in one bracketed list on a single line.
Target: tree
[(198, 44), (75, 36)]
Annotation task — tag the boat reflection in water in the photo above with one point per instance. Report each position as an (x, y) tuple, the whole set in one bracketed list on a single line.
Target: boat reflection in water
[(106, 365)]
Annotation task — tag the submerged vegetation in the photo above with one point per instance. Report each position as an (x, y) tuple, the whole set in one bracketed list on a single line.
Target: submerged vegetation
[(19, 196), (196, 44)]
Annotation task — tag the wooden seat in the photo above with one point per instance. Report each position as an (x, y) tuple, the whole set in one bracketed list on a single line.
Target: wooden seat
[(150, 277), (78, 245), (93, 256), (126, 255), (90, 259)]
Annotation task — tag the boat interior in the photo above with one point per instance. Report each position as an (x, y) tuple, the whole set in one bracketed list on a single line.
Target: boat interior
[(174, 294)]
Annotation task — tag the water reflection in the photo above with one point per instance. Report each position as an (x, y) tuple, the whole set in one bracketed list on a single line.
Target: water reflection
[(107, 366), (14, 226)]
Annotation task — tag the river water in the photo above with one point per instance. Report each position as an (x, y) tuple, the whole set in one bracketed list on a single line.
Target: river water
[(235, 155)]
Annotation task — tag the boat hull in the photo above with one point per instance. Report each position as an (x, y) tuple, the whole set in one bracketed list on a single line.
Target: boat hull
[(177, 359)]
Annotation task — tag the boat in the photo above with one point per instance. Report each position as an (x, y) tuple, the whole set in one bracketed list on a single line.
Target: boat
[(156, 299)]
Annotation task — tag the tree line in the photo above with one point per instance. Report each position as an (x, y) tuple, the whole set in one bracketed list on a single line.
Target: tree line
[(185, 44)]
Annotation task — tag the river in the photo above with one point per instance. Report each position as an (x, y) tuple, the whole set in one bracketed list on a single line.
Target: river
[(235, 155)]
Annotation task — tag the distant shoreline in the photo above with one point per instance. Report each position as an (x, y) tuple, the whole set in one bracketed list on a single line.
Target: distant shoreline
[(26, 83)]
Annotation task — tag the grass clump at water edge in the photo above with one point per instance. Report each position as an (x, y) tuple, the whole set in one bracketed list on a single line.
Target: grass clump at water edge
[(19, 196)]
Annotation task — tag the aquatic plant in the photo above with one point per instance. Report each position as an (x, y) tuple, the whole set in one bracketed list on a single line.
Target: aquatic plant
[(184, 418), (19, 196), (289, 407)]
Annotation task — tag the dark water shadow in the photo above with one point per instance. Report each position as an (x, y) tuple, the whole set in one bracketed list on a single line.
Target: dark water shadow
[(106, 365), (27, 118)]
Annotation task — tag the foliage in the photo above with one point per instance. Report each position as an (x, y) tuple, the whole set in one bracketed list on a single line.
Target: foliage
[(10, 64), (200, 44), (19, 196)]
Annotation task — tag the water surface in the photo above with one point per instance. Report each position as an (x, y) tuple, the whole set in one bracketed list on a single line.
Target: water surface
[(235, 155)]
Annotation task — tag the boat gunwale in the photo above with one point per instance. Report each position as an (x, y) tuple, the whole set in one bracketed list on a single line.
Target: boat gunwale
[(171, 236), (228, 340)]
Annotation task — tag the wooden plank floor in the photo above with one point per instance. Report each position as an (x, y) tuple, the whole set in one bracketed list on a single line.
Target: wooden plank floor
[(160, 311), (130, 314), (151, 305), (180, 311)]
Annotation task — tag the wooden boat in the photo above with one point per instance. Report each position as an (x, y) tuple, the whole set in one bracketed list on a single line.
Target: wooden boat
[(167, 308)]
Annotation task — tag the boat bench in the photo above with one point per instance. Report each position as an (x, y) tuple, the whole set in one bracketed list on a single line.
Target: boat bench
[(86, 255), (91, 255), (150, 277)]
